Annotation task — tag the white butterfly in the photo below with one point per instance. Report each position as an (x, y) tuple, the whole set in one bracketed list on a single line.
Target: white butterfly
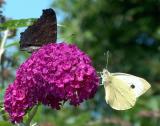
[(123, 89)]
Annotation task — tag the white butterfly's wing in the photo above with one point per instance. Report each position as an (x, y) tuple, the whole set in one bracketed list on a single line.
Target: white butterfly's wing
[(140, 84), (118, 94)]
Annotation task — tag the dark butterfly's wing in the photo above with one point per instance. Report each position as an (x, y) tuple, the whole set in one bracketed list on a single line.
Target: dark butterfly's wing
[(43, 31)]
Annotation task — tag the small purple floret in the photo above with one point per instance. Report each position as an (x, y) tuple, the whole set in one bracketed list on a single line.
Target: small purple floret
[(54, 74)]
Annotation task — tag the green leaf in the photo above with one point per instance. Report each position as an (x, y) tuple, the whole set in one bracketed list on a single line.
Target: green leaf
[(13, 24), (12, 44), (4, 123)]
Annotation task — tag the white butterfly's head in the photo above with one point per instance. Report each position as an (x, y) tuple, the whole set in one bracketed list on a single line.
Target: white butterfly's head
[(105, 72), (105, 76)]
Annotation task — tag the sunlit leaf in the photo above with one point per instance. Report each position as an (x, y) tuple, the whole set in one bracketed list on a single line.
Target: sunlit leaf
[(13, 24), (12, 44)]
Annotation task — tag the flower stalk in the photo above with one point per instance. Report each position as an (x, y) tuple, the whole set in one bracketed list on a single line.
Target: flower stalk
[(31, 115), (2, 49)]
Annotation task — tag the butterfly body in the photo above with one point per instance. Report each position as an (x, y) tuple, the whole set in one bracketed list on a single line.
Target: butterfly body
[(123, 89)]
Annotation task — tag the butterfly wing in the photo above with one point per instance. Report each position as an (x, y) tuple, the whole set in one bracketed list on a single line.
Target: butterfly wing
[(140, 84), (118, 94), (43, 31)]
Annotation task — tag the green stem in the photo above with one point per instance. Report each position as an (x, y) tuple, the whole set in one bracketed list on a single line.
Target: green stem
[(2, 49), (31, 115), (3, 42)]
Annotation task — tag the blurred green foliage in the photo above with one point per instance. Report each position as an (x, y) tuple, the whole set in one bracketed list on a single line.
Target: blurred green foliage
[(130, 30), (14, 24)]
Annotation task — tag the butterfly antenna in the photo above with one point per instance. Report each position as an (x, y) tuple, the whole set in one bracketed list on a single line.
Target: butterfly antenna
[(107, 59)]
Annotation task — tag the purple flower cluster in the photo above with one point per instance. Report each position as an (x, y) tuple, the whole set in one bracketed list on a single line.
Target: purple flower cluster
[(54, 74)]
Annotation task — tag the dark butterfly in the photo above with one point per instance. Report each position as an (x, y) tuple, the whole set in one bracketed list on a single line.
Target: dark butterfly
[(43, 31)]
